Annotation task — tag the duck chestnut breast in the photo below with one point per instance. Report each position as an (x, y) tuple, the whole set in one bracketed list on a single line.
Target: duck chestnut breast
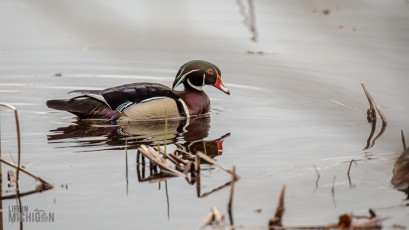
[(147, 101)]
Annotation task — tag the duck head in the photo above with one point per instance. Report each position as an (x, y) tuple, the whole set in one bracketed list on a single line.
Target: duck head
[(196, 74)]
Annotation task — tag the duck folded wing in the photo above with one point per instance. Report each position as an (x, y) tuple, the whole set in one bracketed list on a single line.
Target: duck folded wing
[(143, 97)]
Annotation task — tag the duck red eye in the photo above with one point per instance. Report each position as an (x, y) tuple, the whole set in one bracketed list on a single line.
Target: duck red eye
[(210, 71)]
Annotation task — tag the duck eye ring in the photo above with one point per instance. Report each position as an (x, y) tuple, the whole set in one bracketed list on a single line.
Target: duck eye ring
[(210, 71)]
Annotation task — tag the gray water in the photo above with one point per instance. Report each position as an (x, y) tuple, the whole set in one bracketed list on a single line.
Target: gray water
[(296, 101)]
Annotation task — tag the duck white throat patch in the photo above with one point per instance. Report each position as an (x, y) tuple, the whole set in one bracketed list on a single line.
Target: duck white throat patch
[(199, 88)]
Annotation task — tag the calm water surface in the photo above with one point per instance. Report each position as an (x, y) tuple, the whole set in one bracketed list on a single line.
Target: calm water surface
[(297, 104)]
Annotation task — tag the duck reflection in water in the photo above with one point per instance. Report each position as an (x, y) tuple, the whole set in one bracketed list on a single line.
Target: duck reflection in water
[(187, 135)]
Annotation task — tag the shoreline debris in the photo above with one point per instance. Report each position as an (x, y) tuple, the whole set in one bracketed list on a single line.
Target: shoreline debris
[(345, 220)]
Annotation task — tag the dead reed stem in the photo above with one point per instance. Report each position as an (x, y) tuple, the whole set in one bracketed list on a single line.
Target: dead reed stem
[(277, 219), (46, 184), (345, 221), (372, 117), (403, 140), (230, 203), (349, 171), (154, 156), (18, 136)]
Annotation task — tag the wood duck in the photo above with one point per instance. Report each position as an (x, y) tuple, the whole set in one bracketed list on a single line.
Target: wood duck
[(148, 101)]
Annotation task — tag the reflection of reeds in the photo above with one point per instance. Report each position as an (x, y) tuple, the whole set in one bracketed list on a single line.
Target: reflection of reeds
[(154, 155), (349, 171), (249, 18)]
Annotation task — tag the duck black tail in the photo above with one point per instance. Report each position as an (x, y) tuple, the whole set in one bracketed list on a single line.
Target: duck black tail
[(84, 107)]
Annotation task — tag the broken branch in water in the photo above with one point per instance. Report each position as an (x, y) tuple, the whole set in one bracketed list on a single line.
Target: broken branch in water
[(371, 116), (345, 221)]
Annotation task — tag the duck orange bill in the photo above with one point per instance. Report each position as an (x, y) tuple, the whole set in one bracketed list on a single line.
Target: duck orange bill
[(219, 84)]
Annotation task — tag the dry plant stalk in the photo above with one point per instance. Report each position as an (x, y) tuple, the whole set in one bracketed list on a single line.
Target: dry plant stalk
[(154, 156), (372, 118), (18, 136), (276, 220), (403, 140), (230, 203), (43, 186)]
